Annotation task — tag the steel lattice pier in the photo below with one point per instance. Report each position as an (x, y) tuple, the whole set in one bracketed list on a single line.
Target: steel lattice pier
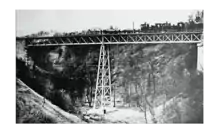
[(103, 81)]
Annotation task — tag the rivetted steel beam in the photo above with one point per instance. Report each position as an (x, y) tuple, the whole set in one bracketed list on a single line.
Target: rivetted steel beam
[(140, 38)]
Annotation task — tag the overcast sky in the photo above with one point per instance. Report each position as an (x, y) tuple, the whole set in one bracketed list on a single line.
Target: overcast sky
[(32, 21)]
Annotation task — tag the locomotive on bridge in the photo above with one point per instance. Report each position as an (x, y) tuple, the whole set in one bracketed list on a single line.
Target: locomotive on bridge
[(191, 26), (167, 27)]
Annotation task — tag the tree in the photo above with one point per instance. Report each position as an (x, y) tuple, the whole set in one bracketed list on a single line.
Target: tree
[(139, 71), (197, 17)]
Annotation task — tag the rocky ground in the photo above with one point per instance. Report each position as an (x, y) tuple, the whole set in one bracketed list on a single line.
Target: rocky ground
[(114, 115)]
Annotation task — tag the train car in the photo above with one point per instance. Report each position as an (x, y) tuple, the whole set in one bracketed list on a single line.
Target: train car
[(158, 28), (151, 29), (98, 31), (110, 31), (57, 34), (137, 31), (180, 27), (127, 31)]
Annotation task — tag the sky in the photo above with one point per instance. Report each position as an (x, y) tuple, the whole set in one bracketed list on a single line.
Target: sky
[(33, 21)]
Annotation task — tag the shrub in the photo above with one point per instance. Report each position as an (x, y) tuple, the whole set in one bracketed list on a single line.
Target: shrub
[(63, 100), (27, 112), (39, 118)]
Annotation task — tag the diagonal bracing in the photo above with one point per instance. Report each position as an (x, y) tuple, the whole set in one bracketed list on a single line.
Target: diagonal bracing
[(103, 81), (186, 37)]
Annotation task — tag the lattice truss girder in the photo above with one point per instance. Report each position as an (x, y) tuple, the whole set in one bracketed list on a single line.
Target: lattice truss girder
[(116, 39), (103, 81)]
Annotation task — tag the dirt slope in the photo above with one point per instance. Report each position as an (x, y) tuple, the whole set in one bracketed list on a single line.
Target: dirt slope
[(31, 108)]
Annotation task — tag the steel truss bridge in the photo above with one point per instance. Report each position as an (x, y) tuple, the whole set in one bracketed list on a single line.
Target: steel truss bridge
[(103, 94), (139, 38)]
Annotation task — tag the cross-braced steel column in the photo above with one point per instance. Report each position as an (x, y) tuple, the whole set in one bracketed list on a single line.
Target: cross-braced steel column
[(103, 82)]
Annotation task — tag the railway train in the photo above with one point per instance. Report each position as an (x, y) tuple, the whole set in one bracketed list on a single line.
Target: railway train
[(167, 27), (191, 26), (146, 28)]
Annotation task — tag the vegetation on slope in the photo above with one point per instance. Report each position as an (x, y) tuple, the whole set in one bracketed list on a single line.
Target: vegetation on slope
[(152, 75), (64, 83), (30, 108)]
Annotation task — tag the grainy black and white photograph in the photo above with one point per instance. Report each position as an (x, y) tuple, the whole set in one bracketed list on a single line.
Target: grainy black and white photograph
[(109, 66)]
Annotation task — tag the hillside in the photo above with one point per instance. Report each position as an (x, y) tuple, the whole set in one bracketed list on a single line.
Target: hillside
[(33, 108), (146, 80), (162, 81)]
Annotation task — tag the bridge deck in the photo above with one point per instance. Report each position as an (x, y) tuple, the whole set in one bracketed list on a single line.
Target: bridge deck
[(139, 38)]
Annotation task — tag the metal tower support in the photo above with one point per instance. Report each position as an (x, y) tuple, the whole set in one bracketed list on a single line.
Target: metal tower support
[(103, 83)]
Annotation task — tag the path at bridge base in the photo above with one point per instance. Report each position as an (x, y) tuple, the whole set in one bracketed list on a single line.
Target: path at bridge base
[(100, 111)]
